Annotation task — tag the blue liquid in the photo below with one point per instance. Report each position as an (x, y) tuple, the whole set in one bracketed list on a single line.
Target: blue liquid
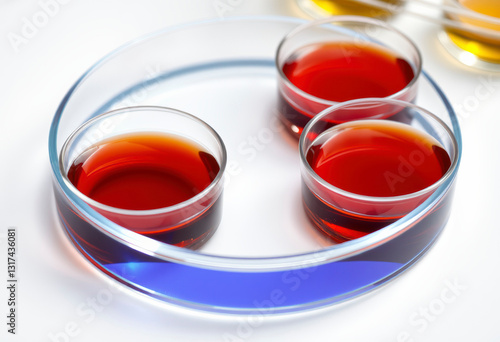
[(254, 290), (276, 291)]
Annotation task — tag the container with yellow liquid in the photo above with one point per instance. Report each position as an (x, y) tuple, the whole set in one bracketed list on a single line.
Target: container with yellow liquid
[(475, 49), (324, 8)]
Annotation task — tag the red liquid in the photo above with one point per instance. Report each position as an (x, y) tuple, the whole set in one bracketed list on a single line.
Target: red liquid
[(373, 158), (338, 72), (150, 171)]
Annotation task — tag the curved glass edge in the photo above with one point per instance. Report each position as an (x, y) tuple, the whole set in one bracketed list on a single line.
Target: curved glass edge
[(274, 292), (176, 254), (451, 111)]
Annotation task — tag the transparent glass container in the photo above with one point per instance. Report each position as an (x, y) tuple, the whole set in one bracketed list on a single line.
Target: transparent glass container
[(265, 257)]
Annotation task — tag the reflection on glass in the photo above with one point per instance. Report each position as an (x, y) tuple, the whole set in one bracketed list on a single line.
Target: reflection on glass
[(323, 8), (472, 48)]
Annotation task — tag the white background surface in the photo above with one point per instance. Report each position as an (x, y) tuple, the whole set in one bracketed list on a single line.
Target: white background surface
[(56, 285)]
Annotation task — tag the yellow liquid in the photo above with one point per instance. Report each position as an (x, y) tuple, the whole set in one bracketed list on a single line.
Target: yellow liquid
[(485, 48), (351, 7)]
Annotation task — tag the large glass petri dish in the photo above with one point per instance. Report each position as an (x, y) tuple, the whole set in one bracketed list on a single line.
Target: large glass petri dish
[(265, 257)]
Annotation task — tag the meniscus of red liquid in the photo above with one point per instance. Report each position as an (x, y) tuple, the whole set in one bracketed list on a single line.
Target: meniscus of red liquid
[(143, 171)]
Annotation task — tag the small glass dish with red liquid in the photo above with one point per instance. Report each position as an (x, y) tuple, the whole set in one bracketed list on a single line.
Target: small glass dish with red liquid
[(342, 58), (155, 171), (363, 175)]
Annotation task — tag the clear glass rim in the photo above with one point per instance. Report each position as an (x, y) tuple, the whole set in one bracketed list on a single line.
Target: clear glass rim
[(218, 178), (332, 188), (351, 19), (225, 263)]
